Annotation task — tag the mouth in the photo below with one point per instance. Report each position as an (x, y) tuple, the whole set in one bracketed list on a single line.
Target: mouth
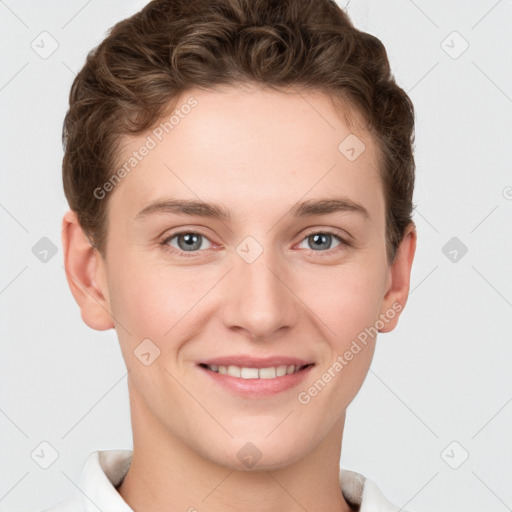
[(248, 373), (258, 380)]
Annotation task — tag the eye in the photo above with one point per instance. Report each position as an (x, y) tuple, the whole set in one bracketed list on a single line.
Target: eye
[(187, 241), (192, 242), (322, 241)]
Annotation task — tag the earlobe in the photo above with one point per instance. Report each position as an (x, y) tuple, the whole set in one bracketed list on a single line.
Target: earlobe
[(399, 278), (85, 274)]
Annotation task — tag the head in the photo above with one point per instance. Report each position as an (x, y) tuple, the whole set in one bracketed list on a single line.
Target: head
[(286, 120)]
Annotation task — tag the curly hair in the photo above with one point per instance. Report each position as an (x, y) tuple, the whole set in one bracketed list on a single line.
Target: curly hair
[(147, 61)]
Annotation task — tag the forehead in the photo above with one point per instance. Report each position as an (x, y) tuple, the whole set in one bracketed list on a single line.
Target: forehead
[(251, 148)]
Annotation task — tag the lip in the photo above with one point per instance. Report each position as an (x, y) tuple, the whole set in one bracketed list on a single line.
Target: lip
[(257, 388), (247, 361)]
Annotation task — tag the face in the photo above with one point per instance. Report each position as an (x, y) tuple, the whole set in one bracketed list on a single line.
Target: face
[(287, 267)]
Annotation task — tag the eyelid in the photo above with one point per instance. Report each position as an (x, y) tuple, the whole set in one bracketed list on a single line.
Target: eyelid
[(343, 235)]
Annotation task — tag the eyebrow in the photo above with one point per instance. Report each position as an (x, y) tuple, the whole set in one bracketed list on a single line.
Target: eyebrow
[(216, 211)]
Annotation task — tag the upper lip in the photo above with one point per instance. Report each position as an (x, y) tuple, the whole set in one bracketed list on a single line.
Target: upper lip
[(246, 361)]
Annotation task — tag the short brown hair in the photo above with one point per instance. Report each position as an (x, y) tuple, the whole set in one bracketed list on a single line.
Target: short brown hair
[(149, 60)]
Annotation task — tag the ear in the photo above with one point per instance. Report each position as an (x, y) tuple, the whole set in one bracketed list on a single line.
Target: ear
[(399, 278), (85, 273)]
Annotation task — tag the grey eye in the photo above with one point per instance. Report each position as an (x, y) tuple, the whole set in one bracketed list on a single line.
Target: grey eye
[(188, 241), (321, 241)]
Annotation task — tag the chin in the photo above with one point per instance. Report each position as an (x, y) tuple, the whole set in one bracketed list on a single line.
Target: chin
[(259, 455)]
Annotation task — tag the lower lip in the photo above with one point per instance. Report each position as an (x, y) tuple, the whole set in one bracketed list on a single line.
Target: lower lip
[(258, 387)]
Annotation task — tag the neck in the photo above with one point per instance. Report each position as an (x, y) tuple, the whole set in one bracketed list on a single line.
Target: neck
[(166, 474)]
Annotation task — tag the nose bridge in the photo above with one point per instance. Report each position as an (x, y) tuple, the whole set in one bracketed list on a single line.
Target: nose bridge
[(259, 301)]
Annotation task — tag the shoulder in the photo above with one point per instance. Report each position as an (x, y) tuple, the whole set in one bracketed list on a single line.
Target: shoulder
[(363, 494), (96, 490)]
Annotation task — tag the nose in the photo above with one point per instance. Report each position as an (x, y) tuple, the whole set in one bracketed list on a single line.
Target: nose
[(259, 297)]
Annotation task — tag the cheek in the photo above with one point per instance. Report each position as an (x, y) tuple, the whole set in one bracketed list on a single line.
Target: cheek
[(142, 301), (346, 306), (155, 300), (346, 299), (138, 299)]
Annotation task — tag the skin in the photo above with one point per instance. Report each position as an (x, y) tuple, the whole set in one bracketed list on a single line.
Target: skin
[(293, 300)]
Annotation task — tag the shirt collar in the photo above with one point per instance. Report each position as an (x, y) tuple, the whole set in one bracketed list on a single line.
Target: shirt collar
[(104, 470)]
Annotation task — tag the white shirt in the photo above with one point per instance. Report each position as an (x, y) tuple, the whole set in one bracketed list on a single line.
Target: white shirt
[(104, 470)]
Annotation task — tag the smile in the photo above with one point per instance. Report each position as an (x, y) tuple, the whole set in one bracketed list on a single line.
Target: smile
[(271, 372)]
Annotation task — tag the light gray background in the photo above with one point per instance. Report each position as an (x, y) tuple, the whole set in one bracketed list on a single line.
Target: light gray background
[(443, 375)]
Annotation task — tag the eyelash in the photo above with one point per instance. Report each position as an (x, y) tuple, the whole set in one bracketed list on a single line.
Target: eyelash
[(343, 243)]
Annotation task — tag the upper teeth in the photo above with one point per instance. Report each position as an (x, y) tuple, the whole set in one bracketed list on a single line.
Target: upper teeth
[(255, 373)]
